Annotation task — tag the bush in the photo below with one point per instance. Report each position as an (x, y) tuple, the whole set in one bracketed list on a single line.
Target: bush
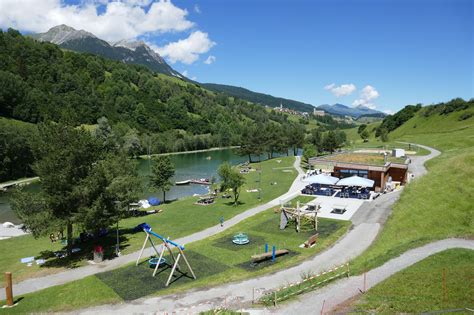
[(465, 116)]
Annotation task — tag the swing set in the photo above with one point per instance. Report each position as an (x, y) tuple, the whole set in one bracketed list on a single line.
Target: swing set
[(168, 245)]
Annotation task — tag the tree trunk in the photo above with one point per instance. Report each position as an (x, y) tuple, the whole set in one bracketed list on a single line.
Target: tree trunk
[(236, 196), (268, 155), (69, 239), (164, 196), (294, 150), (250, 158)]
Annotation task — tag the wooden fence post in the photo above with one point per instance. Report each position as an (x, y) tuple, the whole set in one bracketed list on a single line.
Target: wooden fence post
[(275, 299), (445, 288), (9, 288)]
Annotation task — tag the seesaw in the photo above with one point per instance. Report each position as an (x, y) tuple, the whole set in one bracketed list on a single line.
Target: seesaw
[(167, 243)]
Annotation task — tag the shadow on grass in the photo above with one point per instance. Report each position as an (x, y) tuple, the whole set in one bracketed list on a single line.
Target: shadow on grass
[(108, 243), (233, 204), (251, 266), (133, 282), (226, 242)]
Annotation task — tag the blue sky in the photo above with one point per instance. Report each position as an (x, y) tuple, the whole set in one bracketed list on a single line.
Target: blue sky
[(383, 54)]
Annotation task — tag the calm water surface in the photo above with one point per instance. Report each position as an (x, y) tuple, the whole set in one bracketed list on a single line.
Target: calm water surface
[(188, 166)]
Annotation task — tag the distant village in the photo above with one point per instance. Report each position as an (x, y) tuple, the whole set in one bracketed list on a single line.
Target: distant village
[(316, 112)]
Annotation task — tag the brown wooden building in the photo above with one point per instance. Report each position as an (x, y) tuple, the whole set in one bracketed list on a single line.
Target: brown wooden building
[(379, 174)]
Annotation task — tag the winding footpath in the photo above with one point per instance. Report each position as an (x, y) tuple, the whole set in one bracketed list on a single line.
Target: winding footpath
[(334, 294), (35, 284), (367, 223)]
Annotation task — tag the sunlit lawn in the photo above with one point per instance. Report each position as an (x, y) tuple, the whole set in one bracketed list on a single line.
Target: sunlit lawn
[(215, 260), (179, 218), (419, 288)]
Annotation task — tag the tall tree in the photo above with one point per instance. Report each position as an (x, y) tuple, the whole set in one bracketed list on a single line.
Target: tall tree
[(364, 135), (162, 171), (65, 156), (330, 142), (296, 135), (231, 178), (316, 139)]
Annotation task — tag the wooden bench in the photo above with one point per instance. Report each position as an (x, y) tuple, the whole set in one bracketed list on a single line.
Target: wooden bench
[(312, 240)]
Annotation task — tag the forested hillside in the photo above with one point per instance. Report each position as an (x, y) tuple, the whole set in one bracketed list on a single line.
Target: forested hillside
[(259, 98), (142, 111)]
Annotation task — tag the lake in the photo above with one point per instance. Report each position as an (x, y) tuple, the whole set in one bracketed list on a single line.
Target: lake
[(188, 166)]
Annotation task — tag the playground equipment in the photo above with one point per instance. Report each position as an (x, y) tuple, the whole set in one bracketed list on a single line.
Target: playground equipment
[(303, 218), (240, 239), (311, 241), (167, 243), (267, 255)]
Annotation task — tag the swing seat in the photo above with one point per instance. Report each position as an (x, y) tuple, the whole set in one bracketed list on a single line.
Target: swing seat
[(153, 261)]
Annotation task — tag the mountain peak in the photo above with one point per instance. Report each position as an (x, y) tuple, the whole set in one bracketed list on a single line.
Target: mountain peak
[(132, 45), (344, 110), (134, 52), (62, 33)]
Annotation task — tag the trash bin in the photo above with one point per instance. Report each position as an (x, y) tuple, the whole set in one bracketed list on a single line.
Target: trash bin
[(98, 254)]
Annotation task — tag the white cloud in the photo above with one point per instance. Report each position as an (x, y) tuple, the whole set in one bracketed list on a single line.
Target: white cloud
[(119, 20), (367, 95), (197, 9), (210, 60), (187, 50), (186, 74), (342, 90), (388, 111)]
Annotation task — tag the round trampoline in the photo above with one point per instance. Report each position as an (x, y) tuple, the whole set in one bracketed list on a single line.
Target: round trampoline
[(153, 261), (240, 239)]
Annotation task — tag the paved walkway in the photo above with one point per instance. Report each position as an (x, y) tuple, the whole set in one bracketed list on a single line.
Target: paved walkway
[(35, 284), (18, 182), (342, 290), (367, 222)]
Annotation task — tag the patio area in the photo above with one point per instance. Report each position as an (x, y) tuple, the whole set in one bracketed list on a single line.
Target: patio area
[(337, 208)]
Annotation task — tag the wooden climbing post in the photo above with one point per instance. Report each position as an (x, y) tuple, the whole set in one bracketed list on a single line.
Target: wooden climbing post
[(445, 288), (9, 288), (275, 298)]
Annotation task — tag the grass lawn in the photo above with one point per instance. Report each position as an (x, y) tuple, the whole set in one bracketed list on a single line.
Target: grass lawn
[(179, 218), (302, 199), (215, 260), (364, 158), (436, 206), (419, 288)]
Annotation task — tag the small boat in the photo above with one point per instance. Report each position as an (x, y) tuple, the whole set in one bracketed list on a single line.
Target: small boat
[(201, 181), (183, 182)]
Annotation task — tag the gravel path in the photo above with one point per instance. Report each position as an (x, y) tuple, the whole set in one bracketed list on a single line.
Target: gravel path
[(367, 222), (35, 284)]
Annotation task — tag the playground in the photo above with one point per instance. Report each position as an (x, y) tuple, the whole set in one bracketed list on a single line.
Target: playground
[(177, 219), (219, 259), (214, 260)]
